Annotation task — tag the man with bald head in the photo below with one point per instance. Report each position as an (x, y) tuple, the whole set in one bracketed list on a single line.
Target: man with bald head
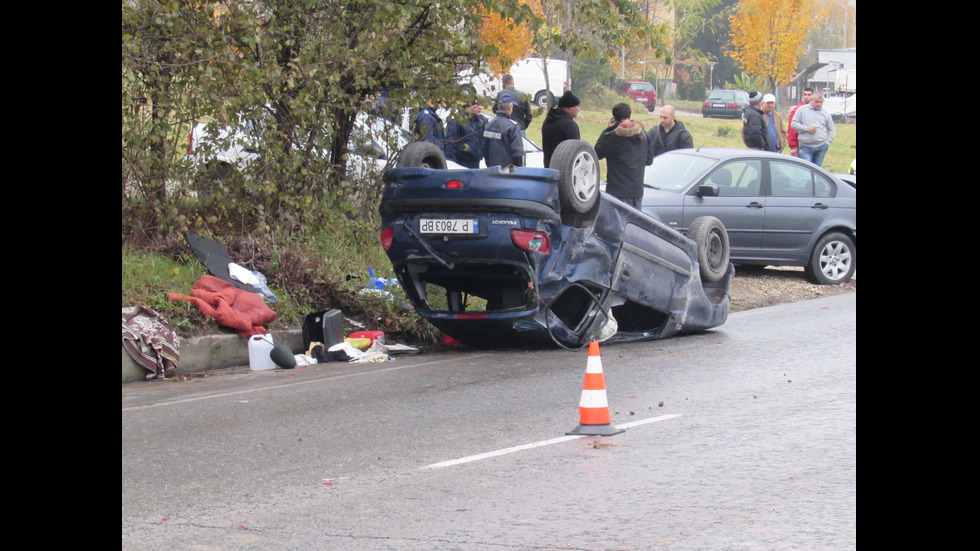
[(670, 134)]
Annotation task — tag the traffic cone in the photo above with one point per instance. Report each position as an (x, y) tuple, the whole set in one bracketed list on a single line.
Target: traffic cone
[(593, 408)]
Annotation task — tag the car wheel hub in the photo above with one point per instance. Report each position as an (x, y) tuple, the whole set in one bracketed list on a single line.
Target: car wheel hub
[(835, 261), (715, 251), (583, 177)]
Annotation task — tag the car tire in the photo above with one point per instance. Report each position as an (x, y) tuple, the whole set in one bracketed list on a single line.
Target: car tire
[(469, 90), (214, 172), (422, 155), (713, 247), (541, 100), (578, 184), (832, 261)]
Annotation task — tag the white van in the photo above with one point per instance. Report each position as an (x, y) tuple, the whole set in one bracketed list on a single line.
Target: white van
[(528, 77)]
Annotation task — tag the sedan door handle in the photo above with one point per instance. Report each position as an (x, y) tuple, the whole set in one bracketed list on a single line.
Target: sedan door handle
[(755, 205), (820, 206)]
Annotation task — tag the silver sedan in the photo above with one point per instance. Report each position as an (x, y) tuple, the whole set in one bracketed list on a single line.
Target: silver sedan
[(779, 210)]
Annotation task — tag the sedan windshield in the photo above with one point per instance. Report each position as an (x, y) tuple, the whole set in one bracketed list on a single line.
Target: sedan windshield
[(673, 172)]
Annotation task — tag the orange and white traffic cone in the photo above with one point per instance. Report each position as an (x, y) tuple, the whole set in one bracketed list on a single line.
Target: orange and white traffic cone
[(592, 407)]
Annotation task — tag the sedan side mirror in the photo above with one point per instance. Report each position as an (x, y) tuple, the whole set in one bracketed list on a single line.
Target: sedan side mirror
[(708, 190)]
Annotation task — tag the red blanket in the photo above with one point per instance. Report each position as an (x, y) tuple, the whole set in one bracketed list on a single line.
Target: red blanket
[(230, 306)]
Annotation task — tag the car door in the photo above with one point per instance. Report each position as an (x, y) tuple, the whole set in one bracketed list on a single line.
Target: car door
[(739, 204), (798, 202)]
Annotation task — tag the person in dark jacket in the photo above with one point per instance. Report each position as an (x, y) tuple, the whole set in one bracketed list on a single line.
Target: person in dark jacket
[(428, 127), (559, 125), (627, 150), (522, 107), (754, 131), (670, 134), (503, 143), (464, 138)]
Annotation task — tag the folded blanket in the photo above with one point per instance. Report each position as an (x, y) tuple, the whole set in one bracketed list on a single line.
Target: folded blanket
[(241, 310)]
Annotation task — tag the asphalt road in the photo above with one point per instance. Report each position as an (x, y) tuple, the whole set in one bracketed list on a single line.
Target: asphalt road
[(739, 438)]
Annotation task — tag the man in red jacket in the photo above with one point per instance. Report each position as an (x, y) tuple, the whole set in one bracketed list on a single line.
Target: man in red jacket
[(792, 138)]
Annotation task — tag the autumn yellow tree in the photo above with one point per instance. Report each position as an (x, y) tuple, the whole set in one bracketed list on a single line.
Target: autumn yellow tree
[(767, 37), (513, 40)]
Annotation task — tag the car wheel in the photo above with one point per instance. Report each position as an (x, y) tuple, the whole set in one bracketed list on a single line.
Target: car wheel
[(832, 261), (541, 100), (713, 248), (578, 184), (469, 89), (422, 155), (213, 173)]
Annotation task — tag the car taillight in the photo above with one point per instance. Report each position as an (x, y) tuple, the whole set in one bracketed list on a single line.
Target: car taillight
[(731, 106), (387, 235), (705, 104), (531, 240), (454, 184)]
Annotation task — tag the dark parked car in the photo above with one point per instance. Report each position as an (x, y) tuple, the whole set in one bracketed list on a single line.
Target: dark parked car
[(779, 210), (637, 90), (727, 104), (497, 257)]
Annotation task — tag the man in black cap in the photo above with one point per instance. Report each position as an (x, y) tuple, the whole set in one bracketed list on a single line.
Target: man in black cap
[(754, 131), (560, 125), (503, 143)]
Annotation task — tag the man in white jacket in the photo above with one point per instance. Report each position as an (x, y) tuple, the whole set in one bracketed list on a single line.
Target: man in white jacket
[(815, 128)]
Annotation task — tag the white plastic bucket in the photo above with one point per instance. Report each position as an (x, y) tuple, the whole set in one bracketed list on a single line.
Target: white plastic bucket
[(259, 347)]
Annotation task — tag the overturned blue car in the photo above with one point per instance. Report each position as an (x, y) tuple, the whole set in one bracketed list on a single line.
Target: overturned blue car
[(515, 256)]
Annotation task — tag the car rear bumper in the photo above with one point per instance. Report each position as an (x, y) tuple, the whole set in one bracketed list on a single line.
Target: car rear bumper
[(721, 113)]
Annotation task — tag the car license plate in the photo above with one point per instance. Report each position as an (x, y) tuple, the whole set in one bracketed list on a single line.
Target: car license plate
[(717, 104), (449, 225)]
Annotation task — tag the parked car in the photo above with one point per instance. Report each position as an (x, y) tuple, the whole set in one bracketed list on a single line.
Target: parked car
[(841, 108), (215, 151), (725, 104), (539, 256), (637, 90), (779, 210)]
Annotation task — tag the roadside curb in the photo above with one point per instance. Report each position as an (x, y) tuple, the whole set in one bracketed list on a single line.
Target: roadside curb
[(209, 352)]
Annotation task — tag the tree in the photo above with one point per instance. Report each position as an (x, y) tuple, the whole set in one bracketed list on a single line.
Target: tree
[(590, 29), (689, 18), (567, 29), (510, 39), (156, 50), (768, 37)]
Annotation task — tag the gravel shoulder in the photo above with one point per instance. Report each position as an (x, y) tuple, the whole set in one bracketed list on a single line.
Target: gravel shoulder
[(758, 287)]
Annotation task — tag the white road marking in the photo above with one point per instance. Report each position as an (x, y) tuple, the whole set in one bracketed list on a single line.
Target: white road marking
[(505, 451)]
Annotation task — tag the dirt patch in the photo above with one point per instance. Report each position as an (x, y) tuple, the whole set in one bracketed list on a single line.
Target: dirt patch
[(757, 287)]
